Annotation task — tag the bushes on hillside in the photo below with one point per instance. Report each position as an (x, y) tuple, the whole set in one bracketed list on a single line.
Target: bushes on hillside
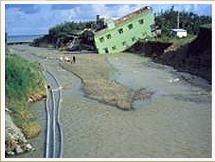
[(62, 32), (191, 22), (21, 78)]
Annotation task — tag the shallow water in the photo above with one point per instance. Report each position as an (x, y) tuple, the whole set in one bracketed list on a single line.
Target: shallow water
[(166, 82), (39, 142), (175, 122)]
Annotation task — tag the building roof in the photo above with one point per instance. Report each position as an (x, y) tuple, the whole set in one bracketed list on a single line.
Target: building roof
[(179, 30), (126, 18), (132, 15)]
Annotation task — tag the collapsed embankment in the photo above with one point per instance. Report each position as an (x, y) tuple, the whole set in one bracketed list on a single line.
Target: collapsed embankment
[(194, 57), (23, 85)]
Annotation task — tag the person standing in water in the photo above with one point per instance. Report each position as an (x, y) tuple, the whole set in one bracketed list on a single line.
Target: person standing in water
[(73, 58)]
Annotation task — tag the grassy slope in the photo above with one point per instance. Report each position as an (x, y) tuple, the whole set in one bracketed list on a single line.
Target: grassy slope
[(22, 80), (173, 40)]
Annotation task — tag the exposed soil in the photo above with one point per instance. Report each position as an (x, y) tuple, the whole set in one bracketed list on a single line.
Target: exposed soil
[(194, 57), (21, 123), (150, 49), (94, 72)]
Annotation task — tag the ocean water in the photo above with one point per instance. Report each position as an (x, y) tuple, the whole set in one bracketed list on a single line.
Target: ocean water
[(22, 38)]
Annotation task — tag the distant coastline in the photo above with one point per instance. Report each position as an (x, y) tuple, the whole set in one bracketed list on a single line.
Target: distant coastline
[(23, 38)]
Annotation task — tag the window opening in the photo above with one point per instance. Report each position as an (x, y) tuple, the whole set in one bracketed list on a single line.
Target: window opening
[(102, 39), (106, 50), (130, 26), (114, 48), (141, 21), (120, 31), (108, 36), (124, 43)]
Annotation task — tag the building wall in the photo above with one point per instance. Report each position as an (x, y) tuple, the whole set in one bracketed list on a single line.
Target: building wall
[(114, 42), (182, 34)]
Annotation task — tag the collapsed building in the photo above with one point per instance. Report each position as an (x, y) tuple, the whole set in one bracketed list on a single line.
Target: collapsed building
[(121, 34), (115, 35)]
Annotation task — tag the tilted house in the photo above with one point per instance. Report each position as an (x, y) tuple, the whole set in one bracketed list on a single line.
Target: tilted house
[(122, 33)]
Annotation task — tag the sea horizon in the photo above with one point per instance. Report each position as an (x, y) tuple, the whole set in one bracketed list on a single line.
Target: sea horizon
[(23, 38), (17, 35)]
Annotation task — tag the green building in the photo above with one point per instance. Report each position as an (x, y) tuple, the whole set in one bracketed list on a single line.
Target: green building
[(122, 33)]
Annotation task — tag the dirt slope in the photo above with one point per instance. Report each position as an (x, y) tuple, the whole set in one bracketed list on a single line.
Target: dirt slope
[(194, 57)]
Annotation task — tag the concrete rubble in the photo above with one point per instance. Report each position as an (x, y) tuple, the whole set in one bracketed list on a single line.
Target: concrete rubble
[(15, 141)]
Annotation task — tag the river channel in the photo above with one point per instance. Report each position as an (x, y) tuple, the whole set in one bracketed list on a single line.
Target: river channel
[(174, 123)]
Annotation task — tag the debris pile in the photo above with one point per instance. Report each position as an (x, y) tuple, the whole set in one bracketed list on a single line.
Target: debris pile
[(83, 40), (15, 141)]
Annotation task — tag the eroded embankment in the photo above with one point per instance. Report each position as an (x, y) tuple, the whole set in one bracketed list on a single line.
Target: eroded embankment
[(174, 123), (94, 72), (194, 57), (23, 85)]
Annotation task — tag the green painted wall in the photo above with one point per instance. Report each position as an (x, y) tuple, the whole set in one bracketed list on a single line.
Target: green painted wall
[(114, 42)]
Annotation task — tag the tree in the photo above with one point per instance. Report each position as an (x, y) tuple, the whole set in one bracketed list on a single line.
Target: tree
[(191, 22)]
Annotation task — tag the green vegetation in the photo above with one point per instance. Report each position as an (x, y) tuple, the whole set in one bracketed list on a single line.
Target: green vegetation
[(188, 20), (22, 80), (208, 26), (62, 31), (175, 40), (22, 77)]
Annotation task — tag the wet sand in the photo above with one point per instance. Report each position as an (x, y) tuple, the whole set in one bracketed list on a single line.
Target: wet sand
[(174, 123)]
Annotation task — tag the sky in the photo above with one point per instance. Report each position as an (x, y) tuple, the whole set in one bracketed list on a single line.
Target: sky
[(36, 19)]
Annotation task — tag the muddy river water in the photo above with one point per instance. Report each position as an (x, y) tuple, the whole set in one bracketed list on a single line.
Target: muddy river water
[(174, 122)]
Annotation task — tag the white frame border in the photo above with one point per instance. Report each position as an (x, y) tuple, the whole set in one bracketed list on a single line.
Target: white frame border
[(3, 3)]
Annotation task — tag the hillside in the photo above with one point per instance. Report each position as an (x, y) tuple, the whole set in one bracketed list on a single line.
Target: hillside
[(192, 55), (23, 85)]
